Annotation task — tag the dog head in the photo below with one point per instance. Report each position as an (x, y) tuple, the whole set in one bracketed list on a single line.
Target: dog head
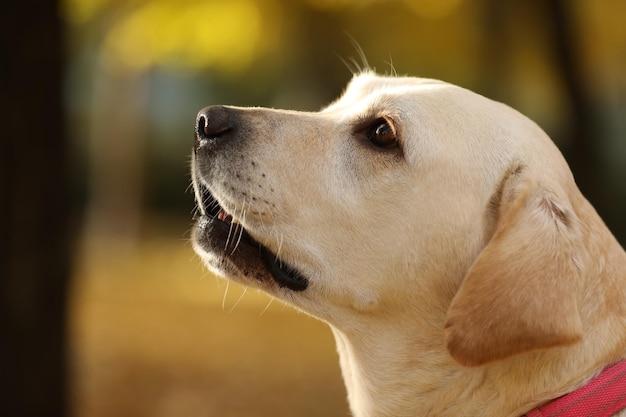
[(406, 197)]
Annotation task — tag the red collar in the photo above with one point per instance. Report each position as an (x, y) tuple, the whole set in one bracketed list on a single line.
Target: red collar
[(603, 396)]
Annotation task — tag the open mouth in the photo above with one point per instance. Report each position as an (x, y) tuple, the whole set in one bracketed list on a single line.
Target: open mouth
[(228, 241)]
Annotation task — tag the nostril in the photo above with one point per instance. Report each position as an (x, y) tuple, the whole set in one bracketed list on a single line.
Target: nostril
[(200, 135), (201, 128), (213, 122)]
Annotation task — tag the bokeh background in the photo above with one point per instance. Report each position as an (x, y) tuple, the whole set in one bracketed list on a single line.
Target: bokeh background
[(105, 309)]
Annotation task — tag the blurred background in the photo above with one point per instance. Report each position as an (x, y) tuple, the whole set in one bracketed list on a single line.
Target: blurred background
[(105, 309)]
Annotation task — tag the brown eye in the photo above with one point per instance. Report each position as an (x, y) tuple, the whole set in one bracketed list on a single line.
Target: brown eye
[(382, 134)]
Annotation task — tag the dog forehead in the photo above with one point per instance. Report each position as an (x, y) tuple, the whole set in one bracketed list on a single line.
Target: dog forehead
[(367, 88), (449, 129)]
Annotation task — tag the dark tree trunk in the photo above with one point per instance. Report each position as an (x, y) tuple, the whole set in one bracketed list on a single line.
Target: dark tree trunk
[(580, 145), (34, 260), (582, 154)]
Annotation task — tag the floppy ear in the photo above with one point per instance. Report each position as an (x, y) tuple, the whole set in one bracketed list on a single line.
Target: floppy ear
[(521, 292)]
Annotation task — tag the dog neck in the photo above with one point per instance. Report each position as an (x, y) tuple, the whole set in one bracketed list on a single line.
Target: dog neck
[(603, 396), (418, 379), (385, 379)]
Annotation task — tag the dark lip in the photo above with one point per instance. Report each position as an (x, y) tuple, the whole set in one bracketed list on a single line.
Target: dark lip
[(234, 246)]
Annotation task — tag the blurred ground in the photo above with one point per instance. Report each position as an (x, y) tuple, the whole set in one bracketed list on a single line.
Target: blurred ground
[(153, 334)]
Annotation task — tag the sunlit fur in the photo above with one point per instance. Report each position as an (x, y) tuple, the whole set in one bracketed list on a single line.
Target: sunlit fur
[(462, 274)]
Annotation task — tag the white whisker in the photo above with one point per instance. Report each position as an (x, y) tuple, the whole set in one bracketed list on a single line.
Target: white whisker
[(275, 234), (392, 68), (280, 244), (190, 187), (245, 290), (239, 229), (351, 64), (230, 233), (267, 306), (239, 232), (225, 296), (233, 230)]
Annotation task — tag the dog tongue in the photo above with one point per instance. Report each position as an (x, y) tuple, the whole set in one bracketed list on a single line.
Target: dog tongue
[(225, 217)]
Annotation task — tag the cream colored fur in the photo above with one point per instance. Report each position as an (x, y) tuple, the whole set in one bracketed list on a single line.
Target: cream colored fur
[(463, 274)]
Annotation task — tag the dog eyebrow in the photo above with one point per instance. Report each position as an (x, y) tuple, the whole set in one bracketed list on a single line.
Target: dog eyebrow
[(364, 121), (373, 113)]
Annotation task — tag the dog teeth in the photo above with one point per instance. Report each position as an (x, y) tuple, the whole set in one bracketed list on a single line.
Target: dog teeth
[(225, 217)]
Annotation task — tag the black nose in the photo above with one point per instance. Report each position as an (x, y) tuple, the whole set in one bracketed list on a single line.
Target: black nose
[(212, 122)]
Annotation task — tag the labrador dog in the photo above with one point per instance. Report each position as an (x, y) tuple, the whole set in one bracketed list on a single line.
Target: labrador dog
[(440, 234)]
